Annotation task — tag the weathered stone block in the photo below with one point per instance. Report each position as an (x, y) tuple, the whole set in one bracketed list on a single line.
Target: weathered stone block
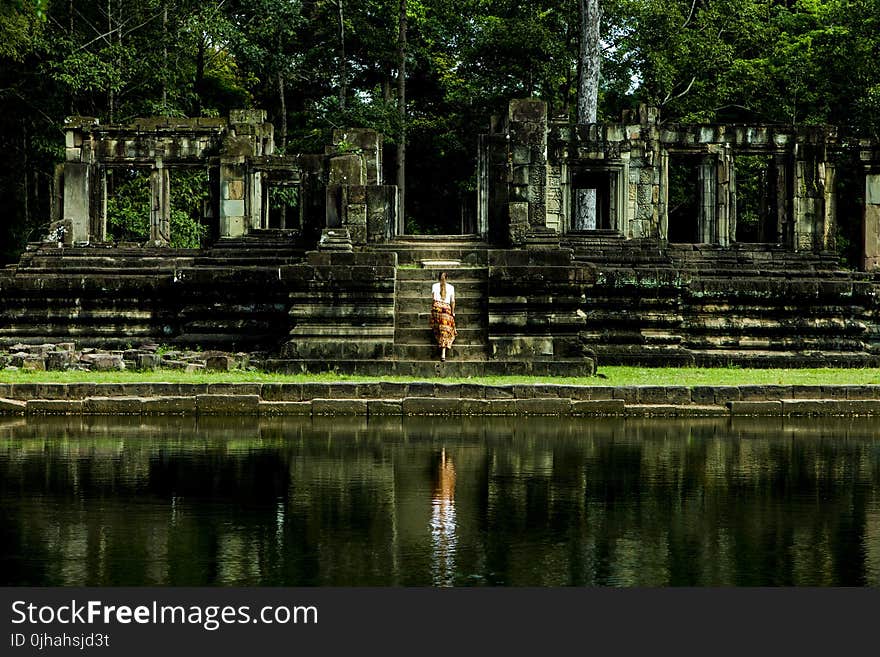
[(103, 362), (54, 406), (147, 362), (209, 404), (281, 392), (169, 406), (112, 405), (755, 407), (382, 407), (12, 406), (285, 408), (339, 407), (220, 363), (430, 406), (501, 406), (543, 406), (234, 389), (598, 407), (57, 361)]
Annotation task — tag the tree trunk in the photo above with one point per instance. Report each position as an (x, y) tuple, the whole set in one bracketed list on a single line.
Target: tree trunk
[(110, 95), (401, 115), (200, 76), (282, 140), (342, 64), (165, 59), (588, 99)]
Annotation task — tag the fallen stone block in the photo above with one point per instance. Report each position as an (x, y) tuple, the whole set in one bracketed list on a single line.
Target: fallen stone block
[(103, 362), (33, 363), (220, 363), (57, 361), (228, 404), (147, 362)]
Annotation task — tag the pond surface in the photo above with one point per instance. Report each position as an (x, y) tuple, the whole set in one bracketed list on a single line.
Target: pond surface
[(440, 502)]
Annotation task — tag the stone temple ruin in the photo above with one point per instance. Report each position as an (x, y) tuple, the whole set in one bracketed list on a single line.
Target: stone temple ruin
[(684, 262)]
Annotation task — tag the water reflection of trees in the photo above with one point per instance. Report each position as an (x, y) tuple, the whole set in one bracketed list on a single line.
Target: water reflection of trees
[(536, 502)]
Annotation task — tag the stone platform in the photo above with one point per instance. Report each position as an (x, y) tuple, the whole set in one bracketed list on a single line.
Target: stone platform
[(383, 399)]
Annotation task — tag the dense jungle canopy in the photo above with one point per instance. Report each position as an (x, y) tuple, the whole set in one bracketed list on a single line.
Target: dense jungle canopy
[(319, 64)]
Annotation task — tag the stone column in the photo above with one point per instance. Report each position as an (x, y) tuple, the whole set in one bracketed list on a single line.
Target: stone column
[(870, 156), (527, 205), (809, 197), (160, 205), (781, 166), (254, 206), (707, 188), (77, 202), (725, 204), (233, 218)]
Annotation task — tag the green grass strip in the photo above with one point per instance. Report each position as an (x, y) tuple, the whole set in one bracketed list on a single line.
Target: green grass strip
[(609, 376)]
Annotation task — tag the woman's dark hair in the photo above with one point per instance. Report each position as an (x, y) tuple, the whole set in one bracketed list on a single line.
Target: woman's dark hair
[(442, 278)]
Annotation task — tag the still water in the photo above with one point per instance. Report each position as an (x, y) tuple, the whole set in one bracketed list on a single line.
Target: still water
[(439, 502)]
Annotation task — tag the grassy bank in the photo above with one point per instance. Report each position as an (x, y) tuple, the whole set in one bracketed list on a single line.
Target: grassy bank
[(609, 376)]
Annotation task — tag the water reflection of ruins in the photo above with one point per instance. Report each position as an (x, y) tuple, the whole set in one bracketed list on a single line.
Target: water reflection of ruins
[(420, 503)]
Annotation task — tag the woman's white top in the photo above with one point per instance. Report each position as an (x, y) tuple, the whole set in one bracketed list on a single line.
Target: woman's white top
[(450, 293)]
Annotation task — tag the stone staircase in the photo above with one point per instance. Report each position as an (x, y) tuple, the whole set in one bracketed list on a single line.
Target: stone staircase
[(413, 339)]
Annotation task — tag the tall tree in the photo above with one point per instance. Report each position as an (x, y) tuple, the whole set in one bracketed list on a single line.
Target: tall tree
[(401, 115)]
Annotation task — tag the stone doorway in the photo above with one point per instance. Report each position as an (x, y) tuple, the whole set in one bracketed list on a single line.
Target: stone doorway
[(684, 202)]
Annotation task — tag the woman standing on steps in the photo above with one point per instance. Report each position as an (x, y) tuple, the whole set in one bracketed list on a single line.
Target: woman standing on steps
[(443, 314)]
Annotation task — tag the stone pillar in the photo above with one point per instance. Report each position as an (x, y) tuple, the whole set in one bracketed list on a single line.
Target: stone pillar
[(79, 176), (725, 204), (160, 205), (483, 186), (99, 230), (783, 223), (233, 218), (707, 187), (527, 204), (663, 196), (254, 206), (77, 202), (870, 156), (809, 197)]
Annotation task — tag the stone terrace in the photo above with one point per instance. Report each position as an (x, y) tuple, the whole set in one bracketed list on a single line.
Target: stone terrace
[(750, 305)]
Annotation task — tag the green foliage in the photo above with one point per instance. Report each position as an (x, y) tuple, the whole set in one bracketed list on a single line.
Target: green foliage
[(128, 208)]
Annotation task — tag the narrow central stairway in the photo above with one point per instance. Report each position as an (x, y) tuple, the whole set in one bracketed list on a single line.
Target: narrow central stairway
[(413, 339)]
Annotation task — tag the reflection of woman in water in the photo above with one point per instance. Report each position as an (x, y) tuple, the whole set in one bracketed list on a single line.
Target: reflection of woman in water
[(443, 526), (443, 314)]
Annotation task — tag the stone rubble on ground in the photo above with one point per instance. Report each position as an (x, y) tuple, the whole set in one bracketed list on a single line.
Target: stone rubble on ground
[(64, 356)]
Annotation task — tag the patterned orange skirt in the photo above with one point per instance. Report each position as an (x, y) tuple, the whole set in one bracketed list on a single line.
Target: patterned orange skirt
[(443, 324)]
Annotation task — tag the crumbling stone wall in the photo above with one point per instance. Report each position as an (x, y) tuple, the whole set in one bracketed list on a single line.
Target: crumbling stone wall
[(532, 168)]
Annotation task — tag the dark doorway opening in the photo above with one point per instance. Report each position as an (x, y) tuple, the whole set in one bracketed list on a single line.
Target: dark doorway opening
[(684, 199), (756, 220), (585, 182)]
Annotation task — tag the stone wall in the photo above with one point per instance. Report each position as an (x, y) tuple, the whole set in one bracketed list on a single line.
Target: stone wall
[(341, 306)]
